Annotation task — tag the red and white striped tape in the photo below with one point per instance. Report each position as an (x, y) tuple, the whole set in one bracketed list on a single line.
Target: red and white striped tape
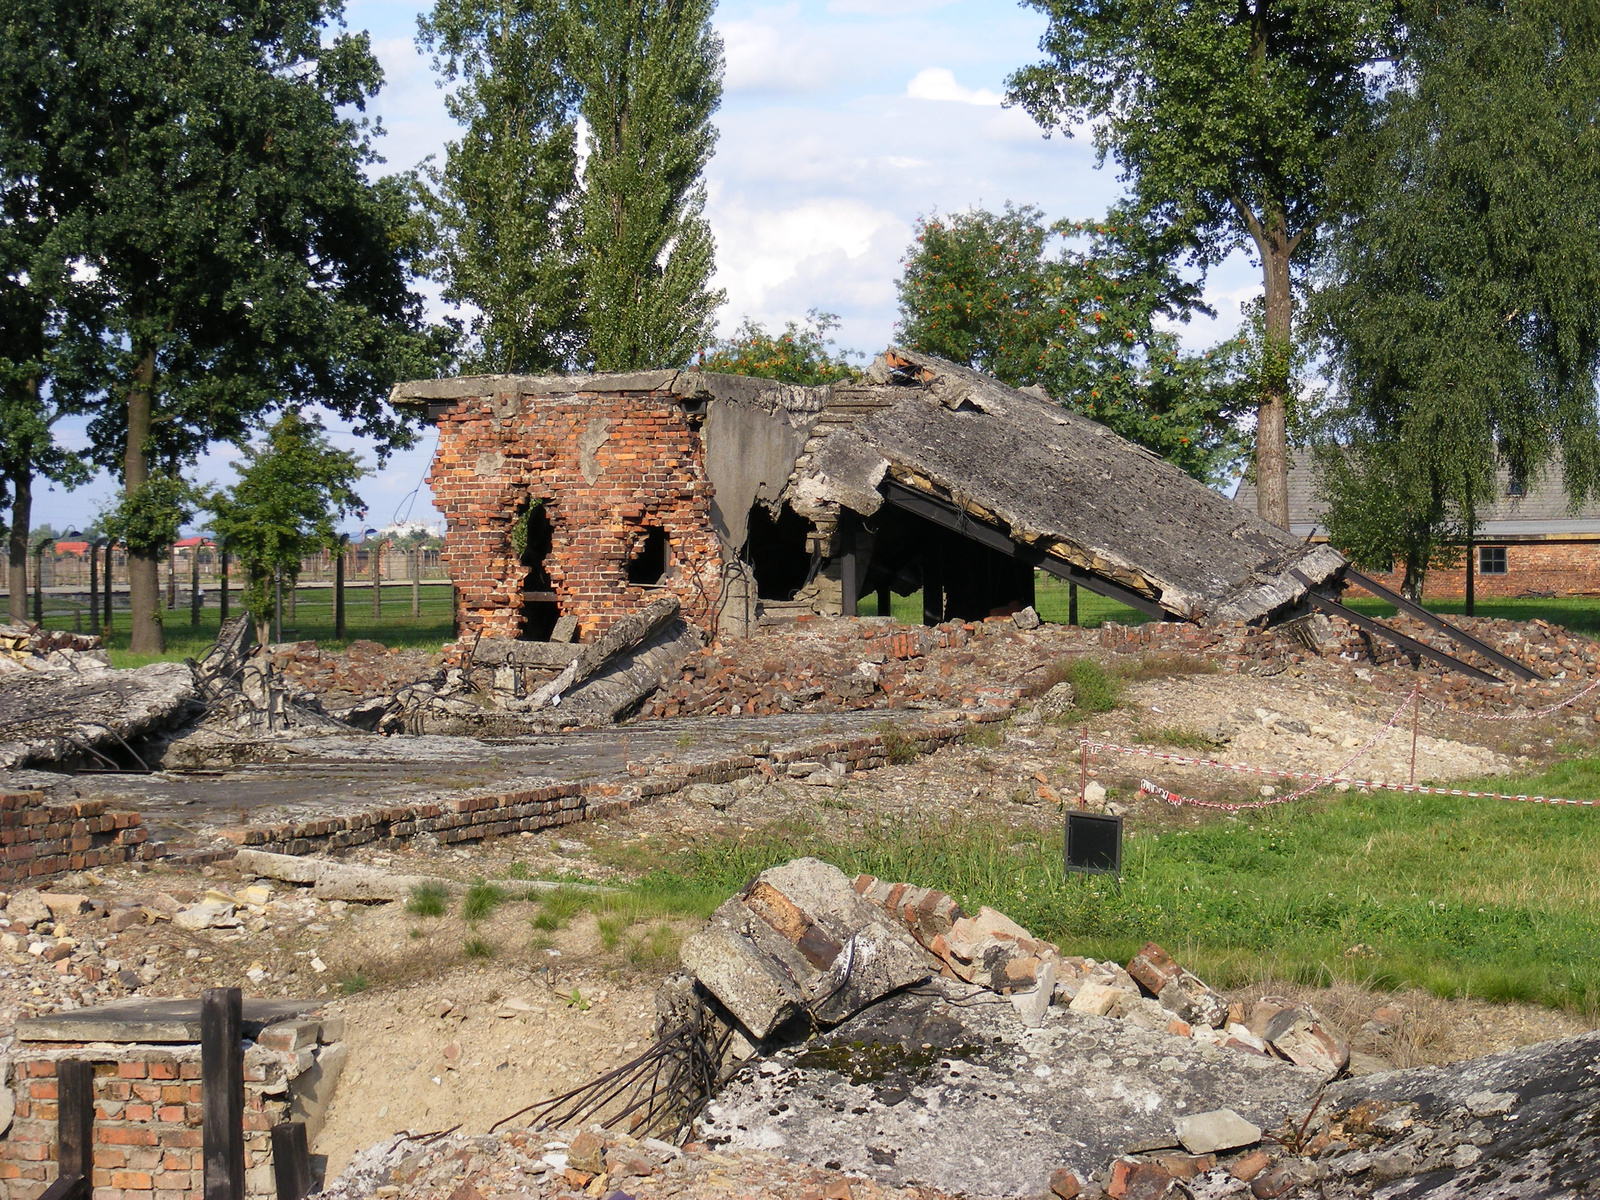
[(1145, 786)]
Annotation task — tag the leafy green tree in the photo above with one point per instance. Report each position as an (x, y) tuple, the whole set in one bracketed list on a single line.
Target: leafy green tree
[(1460, 297), (1222, 114), (242, 258), (649, 74), (1082, 310), (803, 353), (504, 208), (292, 490), (37, 293)]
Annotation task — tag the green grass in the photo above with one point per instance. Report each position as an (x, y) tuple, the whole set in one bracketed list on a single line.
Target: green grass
[(312, 621), (1581, 614), (476, 947), (427, 900), (1051, 601), (1093, 689), (353, 984), (1493, 899), (482, 898)]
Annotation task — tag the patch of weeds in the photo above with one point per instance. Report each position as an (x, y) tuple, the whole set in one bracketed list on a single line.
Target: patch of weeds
[(897, 747), (1093, 689), (838, 804), (984, 736), (540, 942), (476, 947), (427, 900), (1161, 666), (482, 899), (611, 927), (1173, 735), (415, 932), (685, 740), (577, 1001), (518, 870), (353, 983), (559, 907), (658, 945)]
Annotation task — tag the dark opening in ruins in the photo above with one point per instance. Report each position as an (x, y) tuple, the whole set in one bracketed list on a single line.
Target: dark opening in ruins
[(649, 562), (776, 552), (531, 537)]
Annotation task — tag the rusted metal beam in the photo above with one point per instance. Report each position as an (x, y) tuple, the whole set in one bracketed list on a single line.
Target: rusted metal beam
[(1395, 637), (1460, 636)]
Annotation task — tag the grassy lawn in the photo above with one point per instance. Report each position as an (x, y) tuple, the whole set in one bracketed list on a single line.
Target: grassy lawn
[(1581, 614), (312, 621), (1051, 600), (1492, 899)]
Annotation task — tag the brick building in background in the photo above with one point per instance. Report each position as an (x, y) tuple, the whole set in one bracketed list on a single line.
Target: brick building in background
[(1528, 542)]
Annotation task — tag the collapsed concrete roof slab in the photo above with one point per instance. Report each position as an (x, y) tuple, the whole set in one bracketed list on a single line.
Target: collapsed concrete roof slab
[(1064, 485), (59, 717), (998, 466)]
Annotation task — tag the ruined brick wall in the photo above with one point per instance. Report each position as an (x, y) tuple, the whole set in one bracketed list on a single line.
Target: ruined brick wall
[(147, 1127), (610, 466), (42, 839), (1561, 568)]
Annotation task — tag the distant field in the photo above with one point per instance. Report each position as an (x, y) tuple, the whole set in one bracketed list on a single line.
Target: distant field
[(312, 620)]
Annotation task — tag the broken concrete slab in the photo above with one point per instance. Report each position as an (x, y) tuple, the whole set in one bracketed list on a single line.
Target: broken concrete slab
[(942, 1084), (27, 908), (63, 718), (332, 880), (1220, 1129), (154, 1021), (799, 939), (342, 881)]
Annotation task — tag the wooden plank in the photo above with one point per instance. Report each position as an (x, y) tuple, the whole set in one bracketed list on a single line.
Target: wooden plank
[(291, 1160), (1460, 636), (222, 1092), (74, 1126)]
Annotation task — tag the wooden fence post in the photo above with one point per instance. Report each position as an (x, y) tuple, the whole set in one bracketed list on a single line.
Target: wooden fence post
[(291, 1160), (222, 1092), (74, 1131)]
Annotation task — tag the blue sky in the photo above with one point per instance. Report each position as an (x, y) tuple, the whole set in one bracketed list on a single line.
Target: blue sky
[(842, 122)]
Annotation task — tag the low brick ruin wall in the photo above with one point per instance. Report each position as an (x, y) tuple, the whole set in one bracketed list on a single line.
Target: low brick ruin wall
[(470, 818), (46, 839), (147, 1124)]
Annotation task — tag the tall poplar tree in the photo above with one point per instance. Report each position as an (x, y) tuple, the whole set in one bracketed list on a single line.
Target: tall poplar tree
[(504, 207), (1460, 294), (650, 77), (245, 261), (1222, 114)]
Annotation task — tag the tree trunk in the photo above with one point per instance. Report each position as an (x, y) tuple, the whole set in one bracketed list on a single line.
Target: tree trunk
[(144, 569), (21, 524), (1272, 415)]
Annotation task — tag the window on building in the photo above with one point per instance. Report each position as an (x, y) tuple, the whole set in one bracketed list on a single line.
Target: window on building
[(1491, 560), (1515, 487), (649, 562)]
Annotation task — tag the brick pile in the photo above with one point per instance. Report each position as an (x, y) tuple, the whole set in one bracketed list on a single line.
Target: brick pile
[(541, 1165), (42, 839), (610, 467), (824, 665), (363, 669)]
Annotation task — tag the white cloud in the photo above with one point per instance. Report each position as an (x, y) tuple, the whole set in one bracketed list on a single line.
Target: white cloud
[(939, 83), (886, 8), (774, 52)]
